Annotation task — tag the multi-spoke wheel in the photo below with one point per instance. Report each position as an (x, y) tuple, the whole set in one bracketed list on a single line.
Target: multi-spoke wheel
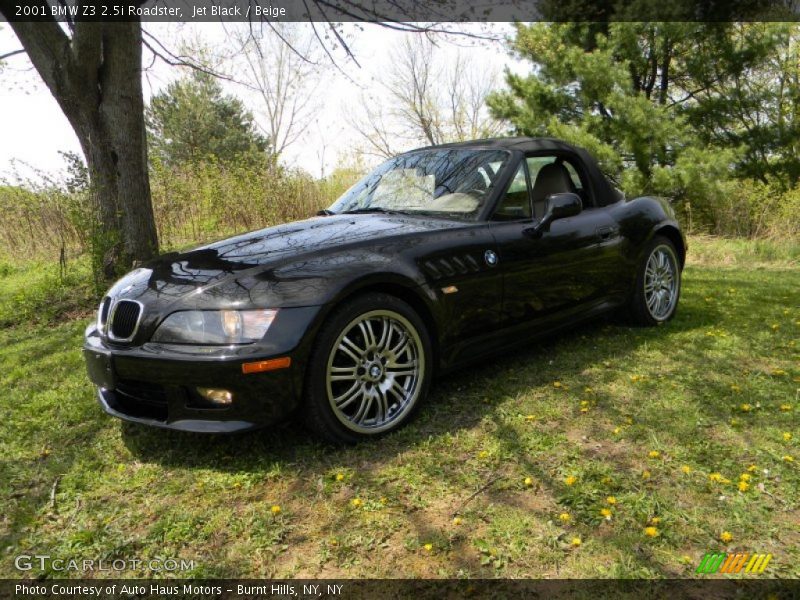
[(369, 369), (658, 284)]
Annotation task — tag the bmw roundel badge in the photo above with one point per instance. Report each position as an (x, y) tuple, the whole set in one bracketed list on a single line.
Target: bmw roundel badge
[(490, 257)]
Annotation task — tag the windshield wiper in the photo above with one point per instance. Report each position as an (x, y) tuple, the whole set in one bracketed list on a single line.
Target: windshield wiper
[(368, 209)]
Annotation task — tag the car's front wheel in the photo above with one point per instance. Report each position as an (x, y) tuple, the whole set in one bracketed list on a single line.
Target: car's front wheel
[(658, 283), (370, 367)]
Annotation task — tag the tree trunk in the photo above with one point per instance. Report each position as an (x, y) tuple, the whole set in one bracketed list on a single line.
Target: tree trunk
[(96, 79)]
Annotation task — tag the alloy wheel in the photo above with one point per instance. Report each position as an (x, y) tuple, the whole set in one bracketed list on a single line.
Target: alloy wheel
[(375, 371)]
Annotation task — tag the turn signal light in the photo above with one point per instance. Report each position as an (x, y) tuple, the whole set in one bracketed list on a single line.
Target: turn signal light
[(272, 364)]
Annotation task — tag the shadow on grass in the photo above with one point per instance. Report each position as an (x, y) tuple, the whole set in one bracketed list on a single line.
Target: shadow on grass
[(290, 445), (291, 442)]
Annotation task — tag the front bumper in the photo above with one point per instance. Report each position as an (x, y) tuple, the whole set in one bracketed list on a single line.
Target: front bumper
[(156, 384)]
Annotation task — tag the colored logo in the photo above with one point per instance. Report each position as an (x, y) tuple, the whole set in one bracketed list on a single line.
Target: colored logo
[(722, 562)]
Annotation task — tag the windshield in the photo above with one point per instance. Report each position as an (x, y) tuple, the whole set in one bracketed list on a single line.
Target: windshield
[(449, 182)]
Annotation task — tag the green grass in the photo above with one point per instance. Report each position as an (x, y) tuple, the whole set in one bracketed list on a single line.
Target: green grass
[(705, 392)]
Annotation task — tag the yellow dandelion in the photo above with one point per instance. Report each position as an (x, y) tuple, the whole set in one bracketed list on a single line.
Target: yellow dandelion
[(384, 500), (745, 477), (745, 407), (576, 541), (428, 547), (715, 477), (686, 469), (635, 378), (528, 482), (651, 532), (340, 477), (588, 390), (611, 500), (605, 512), (726, 536), (787, 436), (786, 407), (556, 384), (584, 410), (654, 454), (735, 388), (655, 520), (530, 417), (752, 468), (778, 372), (333, 542), (787, 458), (616, 431), (775, 327), (237, 484), (646, 474), (276, 510), (584, 403), (457, 521), (571, 480), (564, 517), (356, 502), (629, 420), (606, 480), (483, 454), (743, 486)]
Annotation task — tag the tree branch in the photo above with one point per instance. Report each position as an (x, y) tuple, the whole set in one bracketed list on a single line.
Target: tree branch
[(12, 53)]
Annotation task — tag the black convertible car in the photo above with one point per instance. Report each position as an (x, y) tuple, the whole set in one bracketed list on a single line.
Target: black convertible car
[(440, 257)]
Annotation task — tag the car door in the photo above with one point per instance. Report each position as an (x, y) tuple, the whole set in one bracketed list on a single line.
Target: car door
[(563, 269)]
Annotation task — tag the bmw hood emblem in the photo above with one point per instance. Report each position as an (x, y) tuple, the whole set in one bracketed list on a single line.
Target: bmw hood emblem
[(490, 257)]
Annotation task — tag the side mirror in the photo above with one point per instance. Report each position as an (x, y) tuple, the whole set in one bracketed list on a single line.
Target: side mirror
[(559, 206)]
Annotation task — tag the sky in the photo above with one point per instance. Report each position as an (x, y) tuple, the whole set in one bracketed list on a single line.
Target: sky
[(34, 130)]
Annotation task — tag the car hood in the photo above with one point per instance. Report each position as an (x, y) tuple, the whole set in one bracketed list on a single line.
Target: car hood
[(175, 275)]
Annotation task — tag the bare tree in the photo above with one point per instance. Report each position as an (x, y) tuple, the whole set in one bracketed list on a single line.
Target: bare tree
[(281, 64), (423, 101), (94, 72)]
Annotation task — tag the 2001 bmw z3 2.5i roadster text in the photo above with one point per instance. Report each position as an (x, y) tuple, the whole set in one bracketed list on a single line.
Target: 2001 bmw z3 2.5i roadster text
[(439, 257)]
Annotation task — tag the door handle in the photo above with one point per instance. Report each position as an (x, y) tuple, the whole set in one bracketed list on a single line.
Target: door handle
[(605, 233)]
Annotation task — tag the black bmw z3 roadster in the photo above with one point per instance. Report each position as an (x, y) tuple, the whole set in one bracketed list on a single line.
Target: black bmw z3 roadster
[(440, 257)]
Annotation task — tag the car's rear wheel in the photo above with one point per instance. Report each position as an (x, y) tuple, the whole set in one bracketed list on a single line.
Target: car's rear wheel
[(370, 367), (658, 284)]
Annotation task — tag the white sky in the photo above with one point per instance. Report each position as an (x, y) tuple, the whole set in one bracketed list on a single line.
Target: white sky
[(33, 129)]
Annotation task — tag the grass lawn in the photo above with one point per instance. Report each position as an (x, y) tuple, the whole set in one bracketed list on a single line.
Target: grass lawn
[(557, 461)]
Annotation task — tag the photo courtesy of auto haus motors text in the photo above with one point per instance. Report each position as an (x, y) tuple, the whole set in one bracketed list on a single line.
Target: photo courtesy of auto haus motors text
[(162, 589), (399, 299)]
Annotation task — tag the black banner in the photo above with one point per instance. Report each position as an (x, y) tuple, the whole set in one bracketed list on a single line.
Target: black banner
[(378, 589), (400, 10)]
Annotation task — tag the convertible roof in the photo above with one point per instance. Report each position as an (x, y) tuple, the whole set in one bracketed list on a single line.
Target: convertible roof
[(605, 191), (525, 144)]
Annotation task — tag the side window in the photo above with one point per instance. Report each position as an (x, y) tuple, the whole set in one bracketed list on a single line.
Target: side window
[(553, 175), (516, 203)]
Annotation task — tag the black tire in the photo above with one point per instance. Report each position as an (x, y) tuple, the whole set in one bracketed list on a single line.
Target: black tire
[(641, 306), (382, 393)]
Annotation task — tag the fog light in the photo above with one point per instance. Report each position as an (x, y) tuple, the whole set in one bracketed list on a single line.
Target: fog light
[(215, 396)]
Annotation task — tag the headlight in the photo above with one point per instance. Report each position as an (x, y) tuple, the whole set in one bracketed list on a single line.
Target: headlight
[(215, 326)]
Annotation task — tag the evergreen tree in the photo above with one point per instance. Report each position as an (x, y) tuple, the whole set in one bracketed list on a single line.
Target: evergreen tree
[(193, 120)]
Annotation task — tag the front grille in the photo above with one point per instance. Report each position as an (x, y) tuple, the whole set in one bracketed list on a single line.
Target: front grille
[(124, 320)]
